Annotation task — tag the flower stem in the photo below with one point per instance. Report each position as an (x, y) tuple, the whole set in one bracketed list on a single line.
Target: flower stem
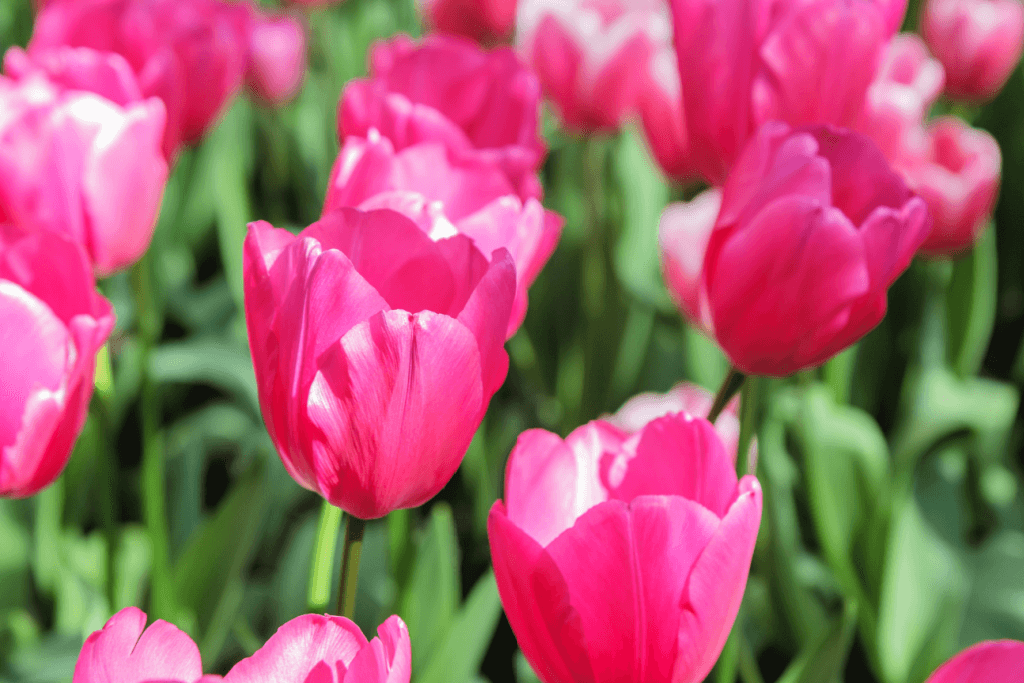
[(351, 552), (319, 594), (733, 382), (748, 427)]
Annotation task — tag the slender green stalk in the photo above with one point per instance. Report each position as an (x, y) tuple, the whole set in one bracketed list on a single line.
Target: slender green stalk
[(322, 567), (728, 661), (351, 553), (748, 425), (749, 670), (733, 382)]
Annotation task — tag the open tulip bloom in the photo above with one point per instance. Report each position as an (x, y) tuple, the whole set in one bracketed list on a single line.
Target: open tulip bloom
[(376, 352), (623, 557)]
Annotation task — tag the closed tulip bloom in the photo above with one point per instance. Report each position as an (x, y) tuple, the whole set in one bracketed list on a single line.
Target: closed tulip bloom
[(814, 228), (376, 352), (664, 119), (978, 41), (277, 57), (592, 56), (445, 197), (623, 557), (485, 21), (125, 651), (958, 177), (78, 164), (745, 62), (52, 323), (325, 648), (683, 234), (482, 105), (1001, 660)]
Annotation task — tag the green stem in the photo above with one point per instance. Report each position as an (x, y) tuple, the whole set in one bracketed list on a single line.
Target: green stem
[(728, 661), (749, 670), (733, 382), (350, 566), (322, 566), (748, 426)]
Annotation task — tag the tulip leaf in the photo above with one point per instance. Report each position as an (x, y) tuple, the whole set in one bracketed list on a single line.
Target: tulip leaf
[(459, 657), (971, 305), (211, 361), (524, 672), (824, 660)]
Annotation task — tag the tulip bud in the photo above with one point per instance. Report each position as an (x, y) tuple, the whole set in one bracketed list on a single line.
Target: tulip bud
[(988, 662), (623, 557), (277, 57)]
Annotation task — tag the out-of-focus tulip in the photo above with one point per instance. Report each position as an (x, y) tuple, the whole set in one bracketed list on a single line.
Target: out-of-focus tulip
[(893, 13), (978, 41), (683, 234), (447, 197), (664, 119), (988, 662), (78, 164), (325, 648), (376, 352), (814, 228), (745, 62), (125, 651), (485, 21), (592, 56), (482, 105), (277, 57), (958, 177), (906, 86), (107, 74), (52, 323), (623, 557)]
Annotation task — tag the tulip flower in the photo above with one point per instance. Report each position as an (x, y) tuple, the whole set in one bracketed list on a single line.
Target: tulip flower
[(125, 651), (277, 57), (446, 197), (376, 352), (979, 43), (958, 177), (325, 648), (78, 164), (52, 324), (592, 58), (745, 62), (623, 557), (106, 74), (988, 662), (814, 228), (482, 105), (683, 234), (485, 21), (664, 119)]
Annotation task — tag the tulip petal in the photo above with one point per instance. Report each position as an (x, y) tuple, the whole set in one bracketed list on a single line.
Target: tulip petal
[(486, 316), (991, 661)]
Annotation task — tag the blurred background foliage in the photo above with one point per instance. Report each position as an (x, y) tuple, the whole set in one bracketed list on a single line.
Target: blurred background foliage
[(893, 532)]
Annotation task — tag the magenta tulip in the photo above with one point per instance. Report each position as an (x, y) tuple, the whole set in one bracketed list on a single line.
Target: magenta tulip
[(444, 197), (745, 62), (482, 105), (683, 235), (988, 662), (52, 324), (376, 352), (81, 165), (485, 21), (106, 74), (623, 557), (277, 57), (321, 649), (125, 651), (593, 58), (814, 228), (664, 119), (958, 177), (978, 41)]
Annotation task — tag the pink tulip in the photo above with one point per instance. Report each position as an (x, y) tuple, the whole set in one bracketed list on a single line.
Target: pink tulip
[(988, 662), (81, 165), (745, 62), (277, 57), (664, 119), (314, 648), (447, 196), (978, 41), (125, 651), (485, 21), (482, 105), (958, 177), (623, 557), (683, 234), (53, 324), (107, 74), (593, 56), (814, 228), (376, 352)]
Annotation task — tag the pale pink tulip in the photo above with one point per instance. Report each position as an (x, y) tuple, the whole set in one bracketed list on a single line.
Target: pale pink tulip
[(107, 74), (485, 21), (482, 105), (322, 649), (277, 57), (376, 352), (623, 557), (978, 41), (445, 197), (988, 662), (683, 235)]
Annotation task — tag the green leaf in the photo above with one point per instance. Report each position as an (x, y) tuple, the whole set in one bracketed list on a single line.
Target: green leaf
[(524, 672), (971, 305), (824, 660), (458, 659), (132, 564), (213, 361)]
